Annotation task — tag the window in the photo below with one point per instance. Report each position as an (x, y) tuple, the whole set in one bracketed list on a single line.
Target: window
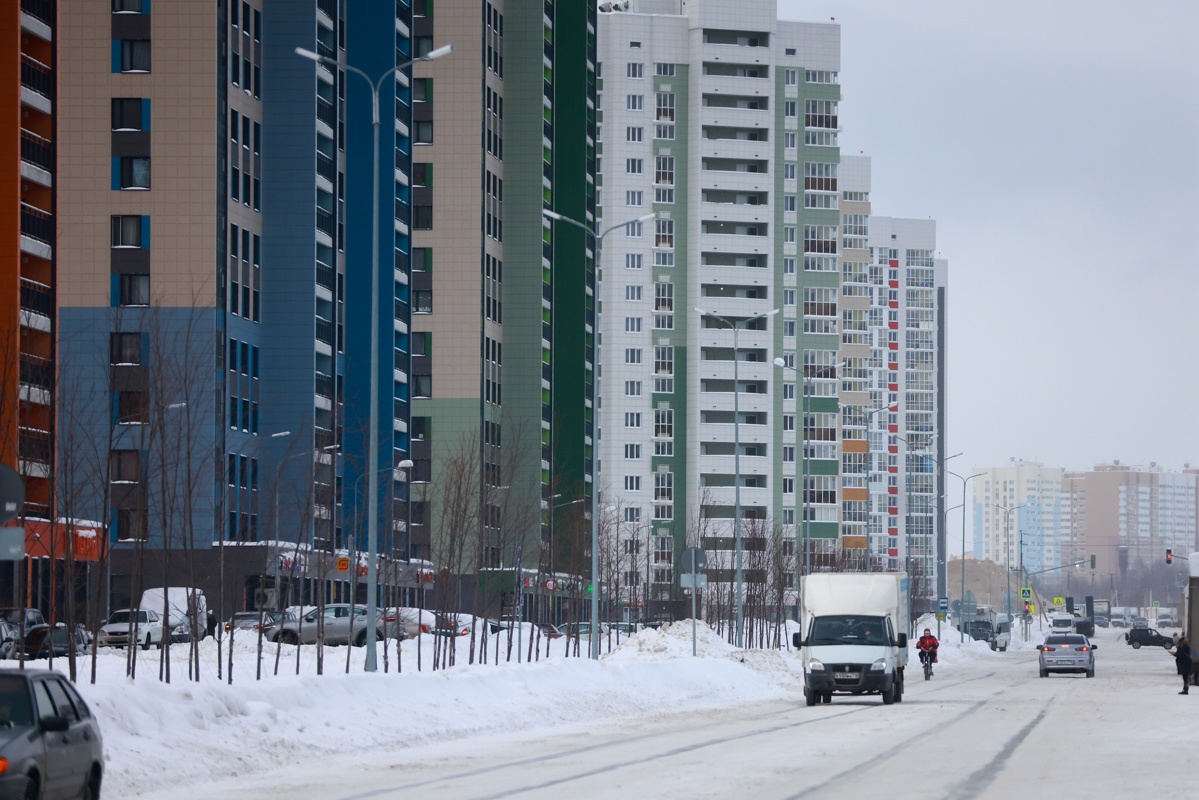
[(422, 174), (665, 107), (664, 70), (664, 423), (422, 385), (422, 218), (125, 348), (664, 131), (127, 113), (133, 407), (134, 290), (790, 202), (632, 514), (632, 198), (820, 76), (632, 452), (664, 194), (634, 102), (422, 90), (422, 132), (790, 77), (790, 139), (634, 166), (790, 108), (632, 483), (632, 388), (134, 172), (127, 231), (664, 170), (422, 259), (635, 70), (633, 293), (134, 55), (422, 301), (788, 454), (633, 230), (788, 297), (664, 369), (632, 261), (789, 172), (632, 419), (632, 324), (124, 466), (633, 133), (632, 355), (664, 233), (789, 234)]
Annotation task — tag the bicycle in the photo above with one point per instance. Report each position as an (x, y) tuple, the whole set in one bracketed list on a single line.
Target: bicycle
[(926, 658)]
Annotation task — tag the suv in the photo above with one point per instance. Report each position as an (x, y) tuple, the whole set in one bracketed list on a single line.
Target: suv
[(340, 627), (1147, 636), (51, 744)]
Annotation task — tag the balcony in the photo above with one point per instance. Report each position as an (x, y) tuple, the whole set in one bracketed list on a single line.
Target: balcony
[(324, 385), (34, 445), (36, 298), (325, 276), (36, 151), (324, 331), (329, 7), (37, 76), (324, 222), (36, 371), (38, 9), (37, 224), (326, 112)]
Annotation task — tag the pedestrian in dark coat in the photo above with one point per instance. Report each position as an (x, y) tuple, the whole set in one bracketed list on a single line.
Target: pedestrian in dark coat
[(1185, 663)]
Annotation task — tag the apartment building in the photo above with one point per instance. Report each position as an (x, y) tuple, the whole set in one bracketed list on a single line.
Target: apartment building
[(502, 296), (1022, 514), (207, 217), (1128, 515)]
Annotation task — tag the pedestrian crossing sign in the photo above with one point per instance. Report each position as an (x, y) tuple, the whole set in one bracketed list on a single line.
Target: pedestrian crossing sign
[(1026, 594)]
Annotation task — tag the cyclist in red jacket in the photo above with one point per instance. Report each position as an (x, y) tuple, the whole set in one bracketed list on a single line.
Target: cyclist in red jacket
[(927, 645)]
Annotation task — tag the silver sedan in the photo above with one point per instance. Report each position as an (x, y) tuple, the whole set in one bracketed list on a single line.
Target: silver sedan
[(1067, 652)]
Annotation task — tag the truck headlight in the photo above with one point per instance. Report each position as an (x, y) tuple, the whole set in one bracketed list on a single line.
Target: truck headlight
[(815, 665), (879, 666)]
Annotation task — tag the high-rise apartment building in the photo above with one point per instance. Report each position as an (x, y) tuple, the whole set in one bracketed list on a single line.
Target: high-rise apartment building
[(1021, 515), (212, 237), (723, 121), (502, 303), (1127, 516)]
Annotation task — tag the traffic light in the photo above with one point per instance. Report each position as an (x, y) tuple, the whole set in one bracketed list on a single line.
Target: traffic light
[(1092, 561), (1027, 608), (1169, 555)]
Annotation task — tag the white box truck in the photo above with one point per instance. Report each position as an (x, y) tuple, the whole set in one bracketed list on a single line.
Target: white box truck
[(187, 611), (853, 637)]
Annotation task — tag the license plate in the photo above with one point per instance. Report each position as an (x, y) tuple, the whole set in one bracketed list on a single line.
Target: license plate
[(846, 676)]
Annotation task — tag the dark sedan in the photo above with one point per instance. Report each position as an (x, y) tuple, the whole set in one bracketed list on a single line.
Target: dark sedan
[(50, 743)]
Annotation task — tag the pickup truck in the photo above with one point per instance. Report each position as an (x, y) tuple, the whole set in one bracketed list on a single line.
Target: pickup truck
[(1147, 636)]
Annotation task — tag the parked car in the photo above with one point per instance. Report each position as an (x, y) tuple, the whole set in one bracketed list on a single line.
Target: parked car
[(452, 625), (43, 640), (413, 621), (50, 744), (1067, 652), (1101, 621), (624, 628), (549, 630), (343, 624), (582, 629), (131, 626), (1119, 622), (1138, 637), (249, 620), (33, 616), (1140, 622)]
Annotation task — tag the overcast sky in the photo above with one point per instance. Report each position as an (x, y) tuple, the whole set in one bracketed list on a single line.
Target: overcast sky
[(1055, 145)]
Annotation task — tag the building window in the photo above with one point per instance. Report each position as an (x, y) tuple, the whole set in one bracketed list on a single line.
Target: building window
[(790, 77), (134, 290), (632, 355), (634, 166), (632, 260), (634, 102), (422, 301), (422, 132), (664, 130), (124, 466), (422, 218), (664, 233), (632, 483), (133, 172), (125, 348), (127, 113), (633, 293), (632, 452), (633, 133), (133, 407), (133, 55), (632, 198), (127, 231), (790, 108), (632, 419), (632, 388), (422, 385), (635, 70), (664, 170), (664, 70)]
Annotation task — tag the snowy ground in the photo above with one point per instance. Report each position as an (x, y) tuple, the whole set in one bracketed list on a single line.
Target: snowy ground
[(169, 740)]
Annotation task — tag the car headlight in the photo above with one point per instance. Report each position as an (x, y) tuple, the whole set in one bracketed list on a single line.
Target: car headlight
[(879, 666), (815, 664)]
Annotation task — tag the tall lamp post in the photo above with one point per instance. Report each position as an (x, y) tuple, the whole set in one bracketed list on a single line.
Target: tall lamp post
[(944, 560), (1007, 552), (962, 596), (408, 465), (804, 567), (595, 425), (736, 326), (372, 466)]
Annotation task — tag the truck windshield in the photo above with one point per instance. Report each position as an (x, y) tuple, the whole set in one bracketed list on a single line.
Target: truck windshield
[(847, 629)]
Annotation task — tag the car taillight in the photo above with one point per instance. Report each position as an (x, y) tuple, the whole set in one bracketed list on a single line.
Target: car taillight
[(465, 631), (1047, 649), (389, 619), (1084, 648), (424, 628)]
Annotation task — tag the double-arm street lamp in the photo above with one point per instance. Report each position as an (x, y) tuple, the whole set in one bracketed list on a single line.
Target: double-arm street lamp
[(1007, 552), (962, 597), (737, 325), (595, 414), (372, 466)]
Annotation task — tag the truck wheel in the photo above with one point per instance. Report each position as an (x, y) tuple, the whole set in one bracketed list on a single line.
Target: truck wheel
[(1003, 649), (889, 695), (826, 698), (899, 692), (1136, 645), (993, 647), (809, 697)]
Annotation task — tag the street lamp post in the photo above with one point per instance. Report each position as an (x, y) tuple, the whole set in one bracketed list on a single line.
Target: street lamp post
[(944, 559), (372, 466), (1007, 552), (962, 596), (738, 577), (869, 463), (595, 425), (407, 465)]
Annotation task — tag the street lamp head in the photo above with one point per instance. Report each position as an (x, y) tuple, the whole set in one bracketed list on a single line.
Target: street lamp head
[(647, 217), (300, 51), (330, 448), (280, 434), (554, 215), (779, 362), (407, 463), (177, 405), (432, 55)]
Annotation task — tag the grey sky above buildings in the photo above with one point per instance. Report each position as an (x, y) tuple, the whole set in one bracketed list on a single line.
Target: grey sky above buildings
[(1055, 144)]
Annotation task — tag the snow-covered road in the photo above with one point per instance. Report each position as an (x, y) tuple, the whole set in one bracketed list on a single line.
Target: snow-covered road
[(650, 721)]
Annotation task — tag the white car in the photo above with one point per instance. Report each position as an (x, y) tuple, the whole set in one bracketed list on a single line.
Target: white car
[(137, 626)]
